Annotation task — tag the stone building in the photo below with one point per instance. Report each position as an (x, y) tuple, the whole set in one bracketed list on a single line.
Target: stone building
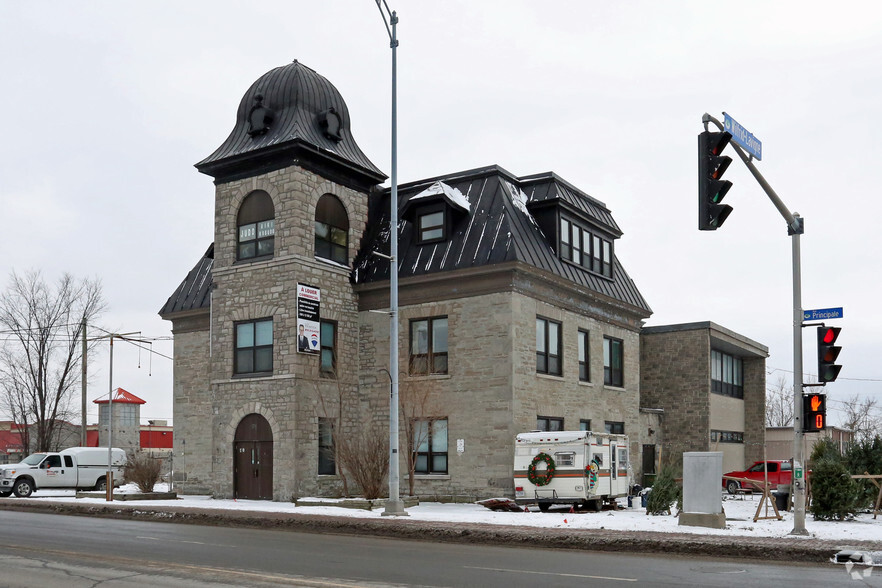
[(711, 384), (515, 313)]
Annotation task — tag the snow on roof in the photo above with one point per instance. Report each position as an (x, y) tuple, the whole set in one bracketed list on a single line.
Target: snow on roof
[(121, 395), (452, 195)]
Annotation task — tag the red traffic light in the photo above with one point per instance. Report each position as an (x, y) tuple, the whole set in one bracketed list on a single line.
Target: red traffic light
[(828, 371)]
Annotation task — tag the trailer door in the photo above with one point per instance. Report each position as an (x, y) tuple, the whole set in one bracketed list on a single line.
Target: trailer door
[(613, 466)]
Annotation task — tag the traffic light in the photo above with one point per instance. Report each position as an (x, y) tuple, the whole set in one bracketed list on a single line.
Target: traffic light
[(712, 189), (828, 371), (814, 412)]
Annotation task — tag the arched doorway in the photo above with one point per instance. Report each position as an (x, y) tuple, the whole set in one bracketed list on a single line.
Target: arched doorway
[(253, 459)]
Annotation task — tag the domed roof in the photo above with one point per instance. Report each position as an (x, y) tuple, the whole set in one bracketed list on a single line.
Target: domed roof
[(291, 111)]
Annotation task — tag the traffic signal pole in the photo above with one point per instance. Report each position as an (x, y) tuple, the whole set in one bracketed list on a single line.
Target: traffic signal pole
[(795, 228)]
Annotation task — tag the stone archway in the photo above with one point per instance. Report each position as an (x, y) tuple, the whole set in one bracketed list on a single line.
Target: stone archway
[(253, 459)]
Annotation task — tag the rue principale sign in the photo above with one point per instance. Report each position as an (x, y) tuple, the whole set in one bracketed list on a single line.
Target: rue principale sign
[(822, 314)]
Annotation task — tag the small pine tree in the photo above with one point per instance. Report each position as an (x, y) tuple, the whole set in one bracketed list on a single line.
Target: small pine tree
[(834, 492), (665, 492), (865, 456)]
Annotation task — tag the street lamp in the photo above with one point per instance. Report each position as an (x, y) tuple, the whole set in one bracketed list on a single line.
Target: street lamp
[(394, 506)]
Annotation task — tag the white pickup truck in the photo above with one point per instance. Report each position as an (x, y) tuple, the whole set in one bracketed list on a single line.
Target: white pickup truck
[(77, 467)]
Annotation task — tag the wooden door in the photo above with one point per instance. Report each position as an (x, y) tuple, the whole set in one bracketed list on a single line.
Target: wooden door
[(253, 459)]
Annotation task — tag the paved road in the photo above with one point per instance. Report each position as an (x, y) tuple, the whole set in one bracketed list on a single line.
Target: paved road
[(51, 550)]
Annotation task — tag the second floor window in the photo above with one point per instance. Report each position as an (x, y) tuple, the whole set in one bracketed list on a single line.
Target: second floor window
[(428, 346), (254, 347), (584, 357), (613, 362), (727, 374), (331, 230), (329, 347), (614, 427), (548, 347), (256, 226)]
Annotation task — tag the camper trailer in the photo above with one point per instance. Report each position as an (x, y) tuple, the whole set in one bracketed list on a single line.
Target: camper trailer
[(581, 468)]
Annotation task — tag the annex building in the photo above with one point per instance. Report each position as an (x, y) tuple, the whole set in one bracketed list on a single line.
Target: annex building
[(515, 313)]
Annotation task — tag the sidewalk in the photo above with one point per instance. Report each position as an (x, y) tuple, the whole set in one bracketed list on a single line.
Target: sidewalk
[(626, 530)]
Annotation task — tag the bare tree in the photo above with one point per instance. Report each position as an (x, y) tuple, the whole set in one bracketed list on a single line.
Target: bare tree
[(779, 404), (862, 415), (41, 350), (418, 411)]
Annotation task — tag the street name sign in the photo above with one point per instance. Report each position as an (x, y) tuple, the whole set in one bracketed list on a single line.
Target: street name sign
[(821, 314), (743, 137)]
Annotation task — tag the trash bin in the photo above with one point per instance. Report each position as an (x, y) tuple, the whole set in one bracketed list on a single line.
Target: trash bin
[(782, 496), (781, 499)]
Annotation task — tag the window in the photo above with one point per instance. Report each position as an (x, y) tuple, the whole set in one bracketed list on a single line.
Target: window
[(613, 361), (431, 224), (584, 248), (727, 374), (327, 453), (548, 347), (328, 337), (430, 439), (124, 414), (68, 461), (584, 357), (565, 458), (614, 427), (428, 346), (331, 230), (256, 226), (584, 424), (727, 437), (254, 347), (549, 423)]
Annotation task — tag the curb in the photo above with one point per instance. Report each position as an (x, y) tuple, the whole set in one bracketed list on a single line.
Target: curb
[(739, 547)]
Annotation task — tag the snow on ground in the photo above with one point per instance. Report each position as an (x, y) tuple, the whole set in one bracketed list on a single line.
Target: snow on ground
[(739, 510)]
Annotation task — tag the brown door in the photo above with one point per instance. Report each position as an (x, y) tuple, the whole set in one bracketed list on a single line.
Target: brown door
[(253, 459)]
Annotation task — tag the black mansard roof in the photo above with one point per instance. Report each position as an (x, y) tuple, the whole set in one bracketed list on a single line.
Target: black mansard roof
[(194, 293), (499, 227)]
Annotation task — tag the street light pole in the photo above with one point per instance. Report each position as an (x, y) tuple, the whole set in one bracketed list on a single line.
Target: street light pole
[(394, 506)]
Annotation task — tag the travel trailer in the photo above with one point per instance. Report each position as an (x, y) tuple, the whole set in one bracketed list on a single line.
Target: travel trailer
[(581, 468)]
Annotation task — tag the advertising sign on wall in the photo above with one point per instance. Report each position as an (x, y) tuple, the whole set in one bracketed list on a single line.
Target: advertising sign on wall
[(308, 317)]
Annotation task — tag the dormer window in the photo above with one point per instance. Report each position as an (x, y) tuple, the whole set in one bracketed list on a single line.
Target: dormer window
[(585, 248), (256, 226), (431, 224), (434, 212)]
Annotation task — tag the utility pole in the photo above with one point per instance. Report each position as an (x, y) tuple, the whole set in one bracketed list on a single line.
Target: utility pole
[(83, 387), (795, 228), (394, 506)]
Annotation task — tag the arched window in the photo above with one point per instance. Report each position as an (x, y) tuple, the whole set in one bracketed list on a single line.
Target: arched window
[(257, 226), (331, 230)]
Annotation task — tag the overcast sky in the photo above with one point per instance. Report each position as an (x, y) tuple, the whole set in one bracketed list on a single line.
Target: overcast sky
[(107, 105)]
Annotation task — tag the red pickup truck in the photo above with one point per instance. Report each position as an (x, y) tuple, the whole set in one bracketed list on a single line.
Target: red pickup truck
[(779, 472)]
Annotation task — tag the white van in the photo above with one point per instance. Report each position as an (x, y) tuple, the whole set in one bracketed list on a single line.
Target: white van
[(77, 467), (581, 468)]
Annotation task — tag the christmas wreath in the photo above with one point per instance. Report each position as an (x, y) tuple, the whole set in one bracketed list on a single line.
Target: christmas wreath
[(541, 479)]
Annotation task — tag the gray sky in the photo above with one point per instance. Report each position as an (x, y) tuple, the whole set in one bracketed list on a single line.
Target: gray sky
[(109, 104)]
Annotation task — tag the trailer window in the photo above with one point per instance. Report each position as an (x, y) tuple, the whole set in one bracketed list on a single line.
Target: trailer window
[(565, 459), (598, 459), (623, 457)]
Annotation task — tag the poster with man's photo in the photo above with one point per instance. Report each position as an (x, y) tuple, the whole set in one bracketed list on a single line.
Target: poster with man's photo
[(308, 319)]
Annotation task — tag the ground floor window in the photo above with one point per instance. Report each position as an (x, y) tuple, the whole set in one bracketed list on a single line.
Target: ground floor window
[(727, 437), (430, 439), (614, 427), (544, 423), (327, 455)]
